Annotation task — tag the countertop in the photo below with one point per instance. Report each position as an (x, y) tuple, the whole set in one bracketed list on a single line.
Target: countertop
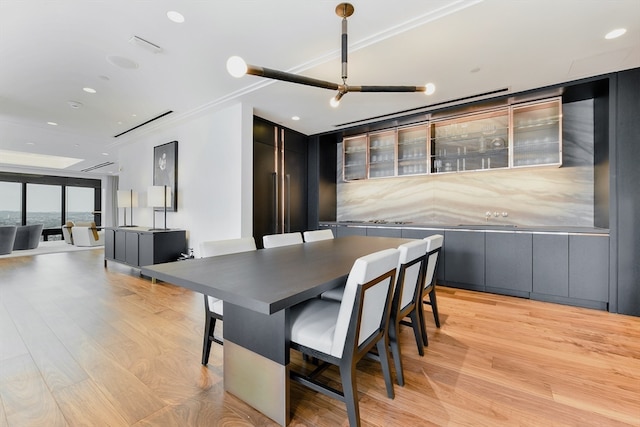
[(475, 227)]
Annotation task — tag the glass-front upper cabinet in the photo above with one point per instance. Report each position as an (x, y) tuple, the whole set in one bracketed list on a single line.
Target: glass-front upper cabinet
[(355, 158), (537, 134), (412, 150), (472, 142), (382, 154)]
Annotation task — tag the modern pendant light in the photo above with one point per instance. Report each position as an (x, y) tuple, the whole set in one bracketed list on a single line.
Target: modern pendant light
[(237, 67)]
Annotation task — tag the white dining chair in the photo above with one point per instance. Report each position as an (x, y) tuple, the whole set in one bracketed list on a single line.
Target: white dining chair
[(406, 299), (342, 333), (213, 306), (283, 239), (434, 246), (317, 235)]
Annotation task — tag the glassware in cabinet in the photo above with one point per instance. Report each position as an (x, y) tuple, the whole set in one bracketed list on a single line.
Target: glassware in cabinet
[(355, 158), (472, 142), (412, 150), (382, 154), (537, 133)]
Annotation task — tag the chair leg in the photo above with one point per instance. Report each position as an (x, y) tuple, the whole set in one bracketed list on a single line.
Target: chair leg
[(209, 328), (348, 377), (434, 306), (423, 327), (416, 324), (383, 352), (395, 352)]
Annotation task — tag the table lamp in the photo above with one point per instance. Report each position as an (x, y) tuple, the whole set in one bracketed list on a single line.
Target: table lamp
[(159, 196), (127, 199)]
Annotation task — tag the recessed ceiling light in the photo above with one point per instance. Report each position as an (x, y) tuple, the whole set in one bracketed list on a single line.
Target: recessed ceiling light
[(615, 33), (176, 17), (74, 104), (31, 143), (105, 78), (105, 154), (52, 123), (295, 118), (89, 89)]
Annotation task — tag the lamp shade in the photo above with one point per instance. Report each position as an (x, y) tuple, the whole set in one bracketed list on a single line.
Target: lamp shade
[(156, 196), (127, 199)]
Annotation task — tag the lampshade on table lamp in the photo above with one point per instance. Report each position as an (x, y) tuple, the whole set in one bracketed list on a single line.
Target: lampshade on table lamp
[(127, 199), (159, 196)]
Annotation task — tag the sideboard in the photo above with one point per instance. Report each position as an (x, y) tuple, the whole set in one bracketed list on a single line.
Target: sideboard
[(139, 246)]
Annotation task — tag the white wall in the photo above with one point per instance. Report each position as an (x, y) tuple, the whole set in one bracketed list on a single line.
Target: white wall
[(215, 172)]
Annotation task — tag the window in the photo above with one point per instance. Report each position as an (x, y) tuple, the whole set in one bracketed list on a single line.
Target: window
[(80, 204), (44, 205), (10, 203)]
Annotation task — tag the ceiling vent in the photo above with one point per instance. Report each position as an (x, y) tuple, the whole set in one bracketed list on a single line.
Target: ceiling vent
[(145, 44), (101, 165), (449, 103), (145, 123)]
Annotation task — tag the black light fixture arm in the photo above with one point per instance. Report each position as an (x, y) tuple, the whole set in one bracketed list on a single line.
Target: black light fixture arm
[(289, 77)]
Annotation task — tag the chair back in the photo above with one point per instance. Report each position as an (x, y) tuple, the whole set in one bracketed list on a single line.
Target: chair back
[(434, 245), (366, 304), (410, 268), (284, 239), (316, 235), (228, 246)]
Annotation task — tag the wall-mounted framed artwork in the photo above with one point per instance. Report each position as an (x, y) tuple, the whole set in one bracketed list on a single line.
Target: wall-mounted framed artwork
[(165, 170)]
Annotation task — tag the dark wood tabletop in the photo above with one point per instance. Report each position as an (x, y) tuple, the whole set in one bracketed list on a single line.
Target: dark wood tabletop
[(270, 280)]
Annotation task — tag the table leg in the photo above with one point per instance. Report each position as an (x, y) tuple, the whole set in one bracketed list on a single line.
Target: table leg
[(256, 360)]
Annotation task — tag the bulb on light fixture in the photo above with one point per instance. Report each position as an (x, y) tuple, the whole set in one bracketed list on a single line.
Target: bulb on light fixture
[(236, 66), (430, 88), (335, 101), (615, 33)]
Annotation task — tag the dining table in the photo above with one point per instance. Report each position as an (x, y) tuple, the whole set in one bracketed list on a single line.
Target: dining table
[(258, 288)]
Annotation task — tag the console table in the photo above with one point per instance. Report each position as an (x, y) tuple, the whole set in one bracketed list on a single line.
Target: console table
[(139, 246)]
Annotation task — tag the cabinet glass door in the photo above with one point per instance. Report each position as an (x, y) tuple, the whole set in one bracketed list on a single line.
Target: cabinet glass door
[(474, 142), (382, 154), (355, 158), (537, 134), (412, 150)]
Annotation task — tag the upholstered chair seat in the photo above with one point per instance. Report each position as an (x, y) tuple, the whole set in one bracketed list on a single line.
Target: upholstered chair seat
[(213, 307), (284, 239), (317, 235), (342, 333)]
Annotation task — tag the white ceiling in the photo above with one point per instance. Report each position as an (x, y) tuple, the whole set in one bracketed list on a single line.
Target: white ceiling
[(51, 49)]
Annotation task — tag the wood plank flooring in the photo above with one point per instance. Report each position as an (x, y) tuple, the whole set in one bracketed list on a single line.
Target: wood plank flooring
[(81, 345)]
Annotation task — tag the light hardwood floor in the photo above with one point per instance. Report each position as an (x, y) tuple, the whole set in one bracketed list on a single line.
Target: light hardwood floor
[(81, 345)]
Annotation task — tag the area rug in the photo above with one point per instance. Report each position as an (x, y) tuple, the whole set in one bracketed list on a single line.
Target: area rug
[(51, 247)]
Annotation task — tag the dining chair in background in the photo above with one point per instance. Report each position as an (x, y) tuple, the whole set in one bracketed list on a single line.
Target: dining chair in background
[(284, 239), (434, 246), (406, 299), (342, 333), (213, 306), (317, 235)]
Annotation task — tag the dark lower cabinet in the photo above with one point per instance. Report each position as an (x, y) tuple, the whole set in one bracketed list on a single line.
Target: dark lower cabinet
[(589, 267), (551, 264), (464, 262), (137, 246), (508, 263), (343, 230), (384, 231)]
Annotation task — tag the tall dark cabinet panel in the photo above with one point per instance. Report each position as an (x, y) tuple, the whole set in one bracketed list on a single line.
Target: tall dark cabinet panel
[(627, 205), (279, 180)]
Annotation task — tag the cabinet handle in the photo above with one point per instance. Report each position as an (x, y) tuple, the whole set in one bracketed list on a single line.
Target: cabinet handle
[(274, 177), (288, 177)]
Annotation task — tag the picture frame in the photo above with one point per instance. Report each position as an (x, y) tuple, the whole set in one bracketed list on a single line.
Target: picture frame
[(165, 171)]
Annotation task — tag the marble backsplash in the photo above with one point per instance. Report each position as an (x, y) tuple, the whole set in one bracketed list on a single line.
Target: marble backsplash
[(537, 196)]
